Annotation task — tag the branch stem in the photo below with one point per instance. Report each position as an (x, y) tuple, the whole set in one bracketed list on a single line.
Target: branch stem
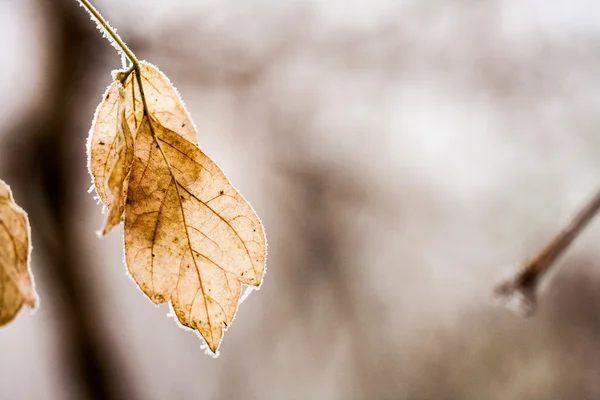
[(526, 280), (564, 238), (105, 25)]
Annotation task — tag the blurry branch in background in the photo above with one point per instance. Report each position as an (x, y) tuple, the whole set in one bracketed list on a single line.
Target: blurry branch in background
[(521, 288), (43, 167)]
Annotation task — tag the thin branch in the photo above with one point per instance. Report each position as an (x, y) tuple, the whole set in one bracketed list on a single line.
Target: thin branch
[(524, 284), (109, 29)]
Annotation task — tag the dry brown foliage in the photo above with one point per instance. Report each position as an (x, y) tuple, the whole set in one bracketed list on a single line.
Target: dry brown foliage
[(16, 283), (190, 237)]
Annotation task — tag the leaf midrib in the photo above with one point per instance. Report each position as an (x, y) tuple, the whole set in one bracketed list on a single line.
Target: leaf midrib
[(208, 206), (187, 234)]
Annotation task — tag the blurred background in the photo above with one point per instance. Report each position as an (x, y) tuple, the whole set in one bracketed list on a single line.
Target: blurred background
[(402, 154)]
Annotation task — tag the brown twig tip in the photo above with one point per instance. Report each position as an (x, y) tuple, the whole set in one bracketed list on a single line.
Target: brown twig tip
[(519, 292)]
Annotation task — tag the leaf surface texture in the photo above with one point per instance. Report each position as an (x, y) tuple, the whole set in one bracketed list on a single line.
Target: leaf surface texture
[(16, 282), (190, 237)]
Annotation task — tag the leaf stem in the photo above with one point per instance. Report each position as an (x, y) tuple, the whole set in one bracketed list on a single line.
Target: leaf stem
[(105, 25), (122, 75)]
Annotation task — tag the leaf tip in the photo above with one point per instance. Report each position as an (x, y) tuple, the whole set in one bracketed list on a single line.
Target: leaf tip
[(211, 347)]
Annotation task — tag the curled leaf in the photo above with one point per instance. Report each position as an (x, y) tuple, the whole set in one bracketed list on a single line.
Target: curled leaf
[(16, 283), (102, 142), (167, 108), (118, 181)]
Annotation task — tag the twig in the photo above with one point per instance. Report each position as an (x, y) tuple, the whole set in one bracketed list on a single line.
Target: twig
[(110, 31), (525, 283)]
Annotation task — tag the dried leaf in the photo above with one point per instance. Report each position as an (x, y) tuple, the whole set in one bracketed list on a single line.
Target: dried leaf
[(16, 283), (163, 101), (190, 237), (102, 142), (118, 181)]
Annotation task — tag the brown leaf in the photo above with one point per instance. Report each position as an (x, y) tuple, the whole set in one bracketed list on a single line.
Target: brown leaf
[(102, 142), (118, 181), (190, 237), (16, 282)]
